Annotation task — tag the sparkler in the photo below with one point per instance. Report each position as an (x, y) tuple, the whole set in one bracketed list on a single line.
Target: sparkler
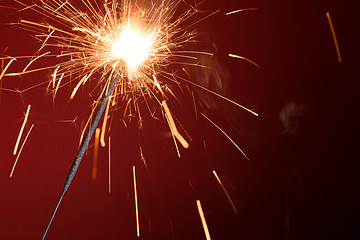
[(84, 146), (334, 37), (127, 48)]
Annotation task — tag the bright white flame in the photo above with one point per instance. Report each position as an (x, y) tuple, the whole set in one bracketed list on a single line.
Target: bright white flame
[(133, 47)]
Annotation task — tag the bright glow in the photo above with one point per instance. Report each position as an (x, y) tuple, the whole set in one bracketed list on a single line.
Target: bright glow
[(133, 47)]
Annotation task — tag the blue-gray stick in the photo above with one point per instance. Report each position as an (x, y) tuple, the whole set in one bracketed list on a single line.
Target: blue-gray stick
[(84, 145)]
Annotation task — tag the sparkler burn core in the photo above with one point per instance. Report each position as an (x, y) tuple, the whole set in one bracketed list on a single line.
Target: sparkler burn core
[(133, 47)]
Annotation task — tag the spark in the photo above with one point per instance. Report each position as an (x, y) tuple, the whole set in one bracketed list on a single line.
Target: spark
[(220, 96), (6, 67), (226, 192), (109, 167), (102, 137), (58, 84), (21, 129), (334, 37), (54, 76), (45, 41), (96, 150), (28, 71), (136, 206), (226, 136), (143, 158), (77, 87), (172, 125), (33, 60), (195, 110), (132, 46), (72, 121), (17, 158), (244, 58), (241, 10), (203, 221), (126, 107)]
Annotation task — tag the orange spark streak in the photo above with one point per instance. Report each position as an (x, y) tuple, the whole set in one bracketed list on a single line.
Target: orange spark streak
[(7, 66), (29, 71), (241, 10), (17, 158), (201, 213), (47, 38), (226, 192), (27, 66), (54, 76), (219, 95), (226, 136), (193, 97), (143, 158), (204, 144), (96, 149), (244, 58), (136, 205), (45, 26), (173, 136), (334, 37), (102, 137), (21, 130), (127, 105), (58, 84), (173, 126), (109, 167), (77, 87)]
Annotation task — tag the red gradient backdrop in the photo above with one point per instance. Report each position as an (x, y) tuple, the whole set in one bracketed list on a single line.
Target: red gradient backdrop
[(302, 179)]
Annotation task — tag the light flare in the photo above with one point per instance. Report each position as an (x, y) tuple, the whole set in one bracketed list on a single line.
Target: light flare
[(133, 47)]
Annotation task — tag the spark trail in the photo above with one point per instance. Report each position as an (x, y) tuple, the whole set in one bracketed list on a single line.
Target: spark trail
[(334, 37)]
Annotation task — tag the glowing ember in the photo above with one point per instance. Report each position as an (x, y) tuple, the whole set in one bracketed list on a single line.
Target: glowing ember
[(133, 47)]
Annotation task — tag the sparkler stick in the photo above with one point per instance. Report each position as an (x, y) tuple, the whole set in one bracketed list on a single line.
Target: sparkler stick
[(84, 145)]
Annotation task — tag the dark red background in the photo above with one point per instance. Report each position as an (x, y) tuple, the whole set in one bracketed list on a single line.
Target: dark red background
[(301, 182)]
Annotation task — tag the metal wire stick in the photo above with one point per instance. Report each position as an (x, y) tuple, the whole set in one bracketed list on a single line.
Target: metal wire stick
[(84, 145)]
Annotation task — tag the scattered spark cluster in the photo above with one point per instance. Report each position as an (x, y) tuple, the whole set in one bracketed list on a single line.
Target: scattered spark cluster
[(134, 43), (124, 41)]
